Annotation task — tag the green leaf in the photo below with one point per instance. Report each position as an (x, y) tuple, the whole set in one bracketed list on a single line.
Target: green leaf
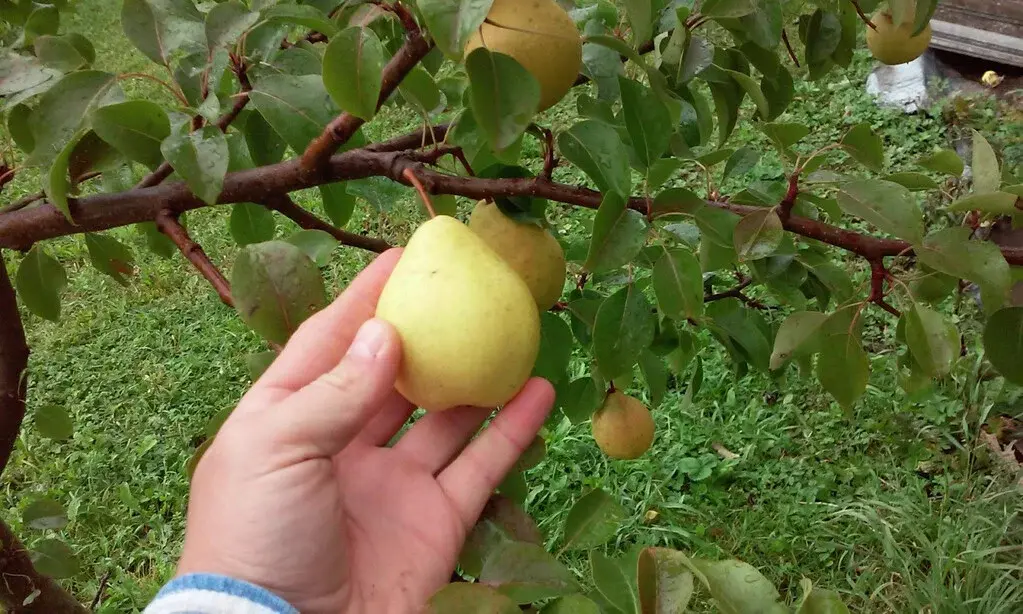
[(986, 174), (727, 99), (745, 327), (527, 573), (466, 598), (678, 284), (502, 520), (612, 583), (159, 28), (796, 336), (53, 422), (19, 126), (44, 514), (889, 206), (944, 161), (43, 19), (737, 587), (452, 23), (696, 55), (201, 158), (592, 521), (59, 53), (135, 128), (301, 15), (618, 235), (951, 251), (785, 135), (555, 348), (39, 281), (749, 84), (758, 235), (665, 582), (316, 244), (818, 601), (110, 257), (264, 144), (353, 65), (778, 91), (676, 200), (598, 151), (298, 108), (579, 399), (996, 203), (61, 112), (641, 19), (226, 22), (647, 121), (822, 37), (655, 374), (276, 287), (624, 327), (727, 8), (257, 364), (54, 558), (1003, 343), (740, 162), (420, 91), (156, 241), (717, 226), (843, 369), (914, 182), (337, 203), (864, 146), (251, 223), (504, 96), (571, 604), (932, 340)]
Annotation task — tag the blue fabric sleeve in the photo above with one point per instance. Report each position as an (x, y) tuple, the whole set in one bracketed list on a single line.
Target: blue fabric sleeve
[(213, 594)]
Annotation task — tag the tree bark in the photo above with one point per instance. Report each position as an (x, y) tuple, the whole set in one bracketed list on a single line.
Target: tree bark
[(21, 581), (20, 578)]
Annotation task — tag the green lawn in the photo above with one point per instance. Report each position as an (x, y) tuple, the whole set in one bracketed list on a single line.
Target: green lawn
[(888, 504)]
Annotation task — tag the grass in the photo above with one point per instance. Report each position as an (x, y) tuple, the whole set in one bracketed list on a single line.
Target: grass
[(890, 504)]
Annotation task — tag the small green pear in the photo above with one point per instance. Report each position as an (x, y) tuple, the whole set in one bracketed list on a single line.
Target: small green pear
[(469, 327), (623, 427), (529, 250)]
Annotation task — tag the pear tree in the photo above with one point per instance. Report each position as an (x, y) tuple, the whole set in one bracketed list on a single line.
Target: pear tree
[(263, 99)]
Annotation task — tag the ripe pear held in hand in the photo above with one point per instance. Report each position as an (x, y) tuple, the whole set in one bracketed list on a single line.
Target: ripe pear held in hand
[(623, 427), (895, 44), (541, 36), (469, 327), (531, 251)]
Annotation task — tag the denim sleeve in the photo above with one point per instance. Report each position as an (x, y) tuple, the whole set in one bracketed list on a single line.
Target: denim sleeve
[(212, 594)]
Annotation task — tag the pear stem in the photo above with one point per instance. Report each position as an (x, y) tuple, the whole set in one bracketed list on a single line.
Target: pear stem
[(418, 185)]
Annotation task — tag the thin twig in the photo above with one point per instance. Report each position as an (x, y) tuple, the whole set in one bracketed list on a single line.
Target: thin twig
[(788, 47), (283, 204), (789, 201), (878, 274), (99, 592), (411, 177), (863, 16), (173, 90), (167, 222)]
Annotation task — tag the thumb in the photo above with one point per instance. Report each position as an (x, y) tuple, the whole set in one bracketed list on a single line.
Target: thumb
[(322, 418)]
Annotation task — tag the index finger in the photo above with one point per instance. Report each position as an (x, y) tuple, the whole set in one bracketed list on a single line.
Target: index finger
[(320, 342)]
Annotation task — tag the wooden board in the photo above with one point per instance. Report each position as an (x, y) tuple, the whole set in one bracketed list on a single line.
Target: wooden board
[(987, 29)]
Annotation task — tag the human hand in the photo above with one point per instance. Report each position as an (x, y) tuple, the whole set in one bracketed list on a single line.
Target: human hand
[(298, 493)]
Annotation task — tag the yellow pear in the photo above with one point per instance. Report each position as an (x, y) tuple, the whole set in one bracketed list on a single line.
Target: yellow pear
[(541, 36), (529, 250), (623, 427), (468, 324), (891, 44)]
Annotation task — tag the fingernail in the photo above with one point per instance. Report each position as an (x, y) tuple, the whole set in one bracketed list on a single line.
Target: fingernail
[(370, 339)]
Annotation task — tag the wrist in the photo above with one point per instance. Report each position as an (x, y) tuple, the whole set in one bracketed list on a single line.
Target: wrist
[(204, 593)]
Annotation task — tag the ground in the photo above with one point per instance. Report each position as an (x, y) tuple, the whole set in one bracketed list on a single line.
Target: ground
[(890, 504)]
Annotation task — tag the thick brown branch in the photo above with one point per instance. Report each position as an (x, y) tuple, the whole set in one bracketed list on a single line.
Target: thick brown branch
[(339, 131), (20, 580), (13, 366), (283, 204), (169, 225)]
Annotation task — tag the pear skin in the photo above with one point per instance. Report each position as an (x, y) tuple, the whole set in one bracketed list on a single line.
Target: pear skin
[(469, 327), (529, 250), (623, 427), (891, 44), (541, 36)]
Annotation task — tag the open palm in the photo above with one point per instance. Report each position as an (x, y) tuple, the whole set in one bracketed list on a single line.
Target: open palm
[(301, 493)]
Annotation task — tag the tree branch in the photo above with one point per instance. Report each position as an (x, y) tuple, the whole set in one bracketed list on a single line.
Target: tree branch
[(736, 292), (877, 276), (167, 222), (283, 204), (788, 47), (13, 368), (863, 17), (20, 580), (339, 131)]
